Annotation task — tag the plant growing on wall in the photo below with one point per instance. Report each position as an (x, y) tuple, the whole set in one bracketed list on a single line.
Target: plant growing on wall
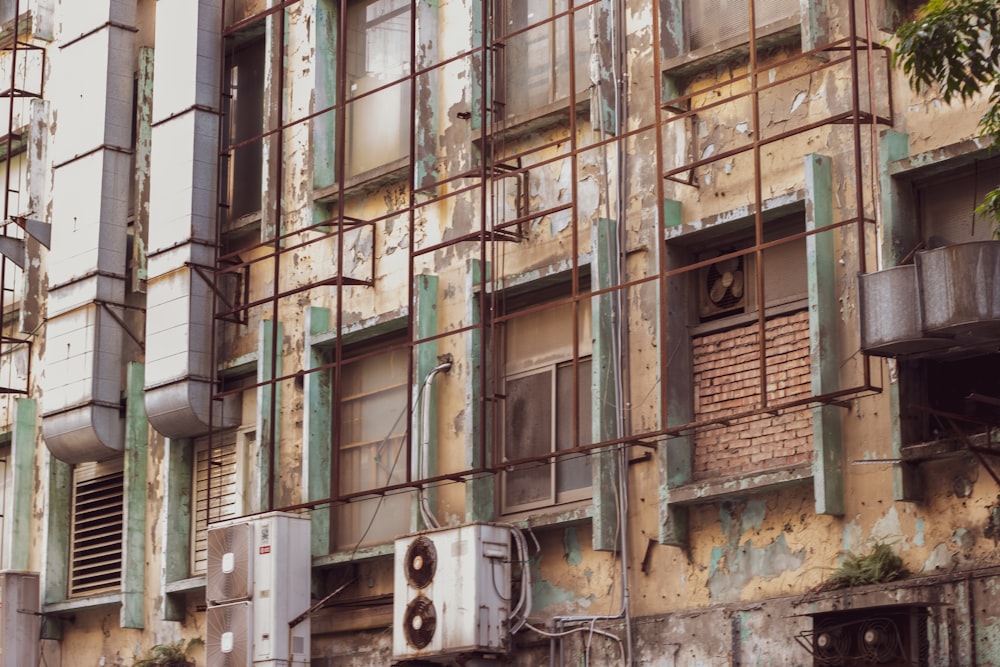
[(878, 566), (168, 655), (954, 45)]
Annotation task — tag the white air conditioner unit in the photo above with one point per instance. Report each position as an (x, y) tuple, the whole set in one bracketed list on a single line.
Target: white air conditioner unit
[(258, 580), (229, 634), (451, 593), (20, 621)]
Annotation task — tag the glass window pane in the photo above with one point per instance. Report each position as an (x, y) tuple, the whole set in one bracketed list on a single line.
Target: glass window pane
[(528, 432), (573, 473), (378, 45), (372, 436)]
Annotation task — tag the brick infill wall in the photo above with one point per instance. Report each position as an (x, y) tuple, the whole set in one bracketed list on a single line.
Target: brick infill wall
[(727, 381)]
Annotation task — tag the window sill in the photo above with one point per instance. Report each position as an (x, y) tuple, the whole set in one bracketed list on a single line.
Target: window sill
[(780, 33), (185, 586), (942, 448), (82, 604), (365, 182), (754, 483), (540, 118), (561, 515), (353, 556), (241, 232)]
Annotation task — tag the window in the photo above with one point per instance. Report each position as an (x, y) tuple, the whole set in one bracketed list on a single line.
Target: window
[(373, 425), (533, 54), (378, 54), (723, 341), (244, 111), (964, 379), (215, 494), (96, 520), (711, 22), (540, 402)]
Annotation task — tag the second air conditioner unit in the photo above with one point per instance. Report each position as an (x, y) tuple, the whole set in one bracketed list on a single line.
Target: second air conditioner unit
[(258, 580), (452, 593)]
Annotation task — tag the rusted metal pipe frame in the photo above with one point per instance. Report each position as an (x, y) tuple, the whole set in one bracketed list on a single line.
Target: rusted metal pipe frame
[(487, 249)]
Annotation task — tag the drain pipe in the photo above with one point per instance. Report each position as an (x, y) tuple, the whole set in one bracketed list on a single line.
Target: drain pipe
[(425, 440)]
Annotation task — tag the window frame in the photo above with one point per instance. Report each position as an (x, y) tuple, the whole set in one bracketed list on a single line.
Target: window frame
[(358, 351), (807, 30), (556, 102), (550, 359), (374, 97), (238, 121)]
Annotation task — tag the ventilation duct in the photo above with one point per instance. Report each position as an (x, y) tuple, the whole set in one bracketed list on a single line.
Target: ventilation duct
[(82, 381), (179, 309), (949, 298)]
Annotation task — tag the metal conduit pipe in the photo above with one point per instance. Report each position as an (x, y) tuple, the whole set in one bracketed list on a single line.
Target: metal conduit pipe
[(425, 441), (83, 357), (183, 200), (619, 336)]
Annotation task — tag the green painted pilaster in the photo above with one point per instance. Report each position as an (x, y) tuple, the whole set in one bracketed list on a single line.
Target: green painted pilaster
[(899, 237), (134, 533), (143, 145), (477, 68), (268, 394), (479, 492), (604, 404), (22, 451), (675, 453), (324, 93), (426, 326), (815, 24), (672, 36), (824, 348), (425, 120), (179, 461), (602, 55), (56, 582), (318, 429)]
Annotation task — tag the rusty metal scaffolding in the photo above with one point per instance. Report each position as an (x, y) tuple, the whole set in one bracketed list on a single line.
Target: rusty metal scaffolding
[(499, 157)]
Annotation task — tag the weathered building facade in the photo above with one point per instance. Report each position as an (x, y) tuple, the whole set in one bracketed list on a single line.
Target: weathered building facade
[(638, 317)]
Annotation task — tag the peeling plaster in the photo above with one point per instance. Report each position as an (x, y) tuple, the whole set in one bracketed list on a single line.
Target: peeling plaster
[(571, 544), (888, 527), (734, 565)]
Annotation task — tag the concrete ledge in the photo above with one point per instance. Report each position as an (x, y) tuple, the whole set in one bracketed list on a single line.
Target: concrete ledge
[(741, 486)]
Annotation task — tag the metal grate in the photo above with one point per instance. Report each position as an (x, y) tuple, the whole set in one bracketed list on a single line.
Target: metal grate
[(96, 535), (215, 497)]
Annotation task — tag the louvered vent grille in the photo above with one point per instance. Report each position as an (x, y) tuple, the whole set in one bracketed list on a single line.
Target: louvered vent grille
[(713, 21), (96, 533), (214, 496)]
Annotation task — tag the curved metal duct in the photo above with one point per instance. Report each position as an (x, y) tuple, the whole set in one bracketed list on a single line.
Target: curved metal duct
[(92, 106), (183, 176)]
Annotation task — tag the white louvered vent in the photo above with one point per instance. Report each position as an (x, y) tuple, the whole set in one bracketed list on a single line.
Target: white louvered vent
[(215, 496), (95, 558), (713, 21)]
